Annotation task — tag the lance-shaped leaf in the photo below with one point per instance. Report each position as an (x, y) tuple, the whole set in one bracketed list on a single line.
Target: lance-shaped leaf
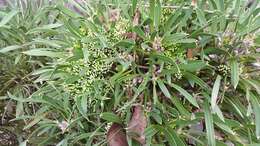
[(8, 17), (209, 124), (234, 72), (256, 109), (187, 95), (215, 90)]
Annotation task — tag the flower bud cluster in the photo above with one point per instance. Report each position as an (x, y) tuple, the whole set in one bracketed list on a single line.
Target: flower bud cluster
[(223, 69)]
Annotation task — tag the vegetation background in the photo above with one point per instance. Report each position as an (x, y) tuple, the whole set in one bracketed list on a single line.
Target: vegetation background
[(130, 73)]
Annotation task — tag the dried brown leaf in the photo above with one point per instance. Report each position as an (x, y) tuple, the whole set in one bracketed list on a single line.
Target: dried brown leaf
[(116, 136), (137, 124)]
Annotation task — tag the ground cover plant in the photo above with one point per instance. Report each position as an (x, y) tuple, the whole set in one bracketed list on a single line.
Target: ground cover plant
[(124, 73)]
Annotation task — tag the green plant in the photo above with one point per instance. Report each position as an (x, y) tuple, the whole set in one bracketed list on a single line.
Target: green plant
[(151, 74), (25, 26)]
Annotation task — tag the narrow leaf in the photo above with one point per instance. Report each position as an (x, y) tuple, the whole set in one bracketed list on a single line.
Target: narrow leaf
[(8, 17), (164, 88), (111, 117), (215, 90), (209, 125), (43, 52), (234, 72), (256, 109), (150, 131), (44, 28), (201, 17), (187, 95), (157, 14), (10, 48)]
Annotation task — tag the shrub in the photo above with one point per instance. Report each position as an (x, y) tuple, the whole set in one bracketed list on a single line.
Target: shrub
[(135, 73)]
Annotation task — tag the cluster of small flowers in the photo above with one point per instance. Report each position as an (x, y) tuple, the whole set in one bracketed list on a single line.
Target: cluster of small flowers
[(120, 29), (88, 71), (174, 52), (83, 31), (166, 12), (178, 75), (223, 69), (97, 65)]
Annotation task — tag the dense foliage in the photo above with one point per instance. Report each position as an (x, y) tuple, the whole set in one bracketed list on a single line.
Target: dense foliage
[(119, 73)]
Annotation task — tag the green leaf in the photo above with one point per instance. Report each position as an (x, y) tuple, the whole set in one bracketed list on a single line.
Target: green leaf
[(193, 66), (172, 19), (256, 109), (164, 88), (175, 101), (46, 42), (111, 117), (234, 72), (236, 7), (43, 52), (215, 90), (37, 119), (67, 11), (152, 7), (180, 107), (197, 80), (218, 112), (186, 41), (201, 17), (225, 128), (254, 84), (236, 107), (187, 95), (222, 23), (139, 32), (19, 109), (134, 3), (125, 43), (8, 17), (72, 28), (157, 14), (171, 136), (24, 143), (209, 124), (256, 144), (150, 131), (85, 54), (10, 48), (157, 117), (44, 28), (172, 38), (220, 5), (140, 89), (78, 101)]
